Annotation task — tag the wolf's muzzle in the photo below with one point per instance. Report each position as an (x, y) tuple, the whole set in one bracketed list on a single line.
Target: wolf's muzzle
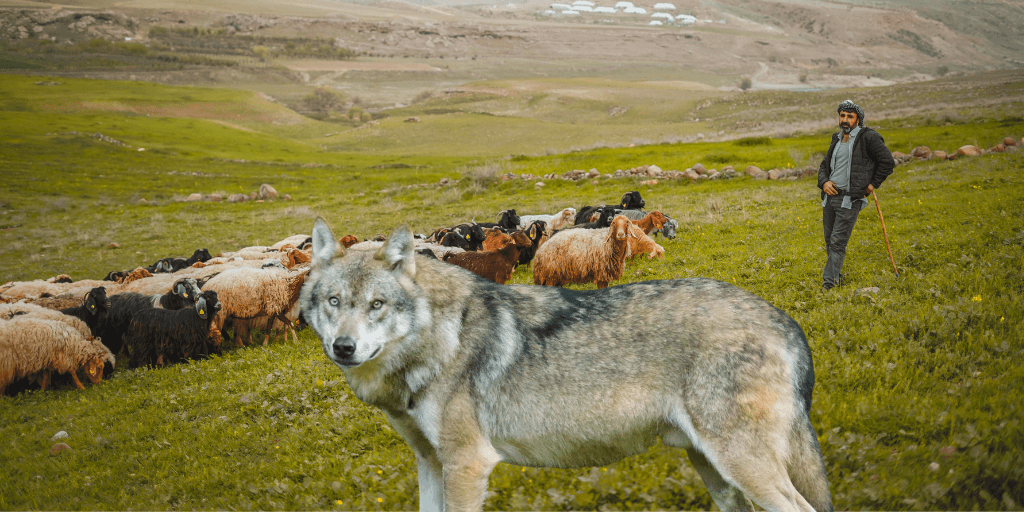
[(344, 347)]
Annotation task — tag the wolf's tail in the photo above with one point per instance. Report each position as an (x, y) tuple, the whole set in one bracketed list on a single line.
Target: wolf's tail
[(807, 467)]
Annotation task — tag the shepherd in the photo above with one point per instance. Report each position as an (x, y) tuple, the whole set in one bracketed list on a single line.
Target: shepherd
[(857, 163)]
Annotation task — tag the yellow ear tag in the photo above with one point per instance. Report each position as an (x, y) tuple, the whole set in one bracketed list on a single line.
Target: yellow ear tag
[(467, 237), (92, 371), (185, 295), (623, 205), (92, 306), (201, 312)]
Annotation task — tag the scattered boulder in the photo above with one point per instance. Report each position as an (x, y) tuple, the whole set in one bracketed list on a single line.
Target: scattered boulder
[(921, 152), (774, 174), (237, 198), (215, 198), (58, 448), (868, 291), (593, 173), (267, 192), (60, 435), (692, 174), (752, 170), (939, 155), (411, 120), (287, 197), (539, 184), (998, 148), (253, 196), (699, 167), (969, 150), (1010, 141), (649, 183), (194, 197), (900, 157)]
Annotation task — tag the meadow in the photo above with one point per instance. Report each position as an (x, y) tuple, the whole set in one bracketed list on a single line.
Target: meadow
[(918, 396)]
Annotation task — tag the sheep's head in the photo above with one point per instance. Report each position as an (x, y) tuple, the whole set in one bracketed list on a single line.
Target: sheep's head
[(348, 241), (569, 214), (96, 300), (187, 288), (94, 369), (519, 238), (207, 304), (620, 229), (659, 219)]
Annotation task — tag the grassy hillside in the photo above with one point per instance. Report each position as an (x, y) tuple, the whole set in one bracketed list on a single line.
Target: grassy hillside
[(918, 393)]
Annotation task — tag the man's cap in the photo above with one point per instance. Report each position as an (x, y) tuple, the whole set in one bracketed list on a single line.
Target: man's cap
[(850, 106)]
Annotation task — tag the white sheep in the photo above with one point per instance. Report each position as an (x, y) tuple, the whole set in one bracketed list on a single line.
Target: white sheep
[(35, 347), (559, 220), (23, 309)]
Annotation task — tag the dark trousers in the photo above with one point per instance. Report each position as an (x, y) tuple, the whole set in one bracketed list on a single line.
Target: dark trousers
[(838, 227)]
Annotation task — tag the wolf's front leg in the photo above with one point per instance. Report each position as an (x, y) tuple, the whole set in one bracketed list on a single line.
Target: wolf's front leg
[(465, 480), (431, 483)]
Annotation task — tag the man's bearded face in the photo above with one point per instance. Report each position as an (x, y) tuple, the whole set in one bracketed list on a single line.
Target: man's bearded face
[(847, 120)]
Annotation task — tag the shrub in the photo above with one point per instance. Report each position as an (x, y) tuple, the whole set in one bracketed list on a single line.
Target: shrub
[(323, 100), (746, 83)]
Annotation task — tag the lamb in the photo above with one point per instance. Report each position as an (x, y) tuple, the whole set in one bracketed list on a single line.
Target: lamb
[(496, 265), (584, 256), (158, 336), (35, 347), (250, 293), (566, 217)]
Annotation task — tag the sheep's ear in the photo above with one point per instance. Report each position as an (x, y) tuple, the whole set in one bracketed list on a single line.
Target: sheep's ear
[(397, 253), (90, 304), (325, 245)]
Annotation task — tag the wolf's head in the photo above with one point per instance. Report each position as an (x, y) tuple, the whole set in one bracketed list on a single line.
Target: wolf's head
[(360, 304)]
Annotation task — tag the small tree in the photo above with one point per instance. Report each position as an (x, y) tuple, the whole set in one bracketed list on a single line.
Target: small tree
[(943, 69), (262, 52), (746, 83), (323, 100), (803, 78), (355, 113)]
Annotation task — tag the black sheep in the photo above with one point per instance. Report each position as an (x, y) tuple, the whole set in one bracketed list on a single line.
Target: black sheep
[(632, 201), (472, 233), (604, 214), (454, 239), (93, 311), (159, 336), (508, 222), (125, 306), (534, 232)]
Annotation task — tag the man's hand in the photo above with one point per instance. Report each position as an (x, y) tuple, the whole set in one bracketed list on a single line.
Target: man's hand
[(871, 188), (830, 188)]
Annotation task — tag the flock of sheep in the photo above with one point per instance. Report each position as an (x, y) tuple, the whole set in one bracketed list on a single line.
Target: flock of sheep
[(181, 308)]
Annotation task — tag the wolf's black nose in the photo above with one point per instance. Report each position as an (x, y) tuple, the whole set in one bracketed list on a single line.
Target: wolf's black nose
[(344, 347)]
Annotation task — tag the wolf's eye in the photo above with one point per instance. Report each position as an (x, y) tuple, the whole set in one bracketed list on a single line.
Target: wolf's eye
[(334, 301), (377, 304)]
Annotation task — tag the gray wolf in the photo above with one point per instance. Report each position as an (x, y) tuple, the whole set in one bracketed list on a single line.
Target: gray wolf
[(472, 373), (856, 164)]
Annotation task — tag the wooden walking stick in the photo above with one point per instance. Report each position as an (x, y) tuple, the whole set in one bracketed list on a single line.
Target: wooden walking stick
[(886, 233)]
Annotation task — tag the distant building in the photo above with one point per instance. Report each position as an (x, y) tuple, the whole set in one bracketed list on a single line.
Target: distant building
[(665, 6)]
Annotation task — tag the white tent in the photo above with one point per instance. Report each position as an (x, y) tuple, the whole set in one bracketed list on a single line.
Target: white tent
[(687, 19), (587, 3), (664, 15), (570, 12), (623, 5), (561, 7), (583, 8), (665, 5), (655, 22), (549, 12), (635, 10), (606, 10)]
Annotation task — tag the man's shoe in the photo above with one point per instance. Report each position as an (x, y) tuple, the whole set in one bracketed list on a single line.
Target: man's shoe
[(826, 287)]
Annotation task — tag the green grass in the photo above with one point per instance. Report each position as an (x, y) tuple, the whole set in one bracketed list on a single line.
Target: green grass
[(928, 362)]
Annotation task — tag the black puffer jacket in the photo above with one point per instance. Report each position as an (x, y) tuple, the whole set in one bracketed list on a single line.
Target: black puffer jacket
[(871, 163)]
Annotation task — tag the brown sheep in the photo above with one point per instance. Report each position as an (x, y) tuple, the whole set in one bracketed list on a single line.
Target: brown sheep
[(496, 265), (654, 220), (584, 255)]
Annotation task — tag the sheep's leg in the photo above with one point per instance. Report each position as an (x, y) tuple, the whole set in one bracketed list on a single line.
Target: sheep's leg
[(602, 284), (43, 379), (160, 360), (270, 326), (78, 383)]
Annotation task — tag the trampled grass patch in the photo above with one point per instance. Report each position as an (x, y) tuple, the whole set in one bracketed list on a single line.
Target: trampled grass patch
[(918, 394)]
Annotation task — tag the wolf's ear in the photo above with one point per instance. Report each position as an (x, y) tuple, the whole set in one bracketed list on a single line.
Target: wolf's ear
[(325, 246), (397, 252)]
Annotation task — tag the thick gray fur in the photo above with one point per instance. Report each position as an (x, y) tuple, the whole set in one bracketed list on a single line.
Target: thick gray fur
[(472, 373)]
